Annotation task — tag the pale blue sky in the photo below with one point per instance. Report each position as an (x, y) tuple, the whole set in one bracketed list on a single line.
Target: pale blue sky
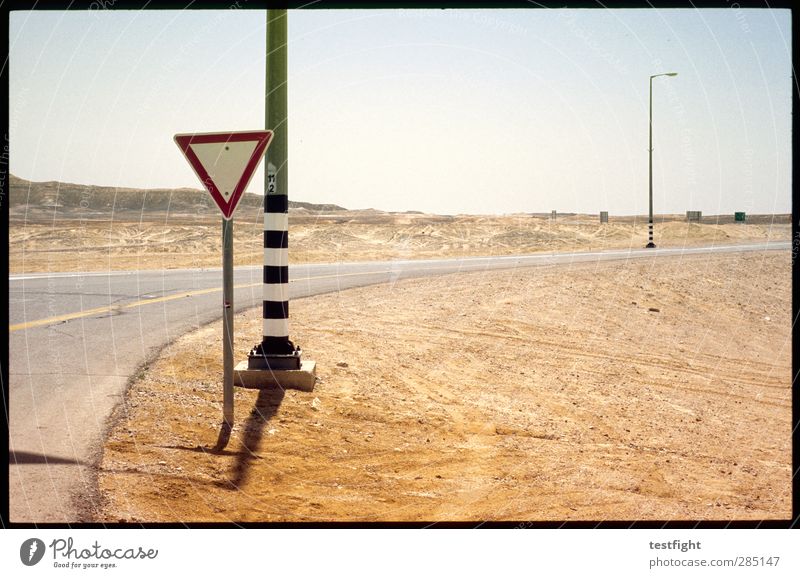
[(492, 111)]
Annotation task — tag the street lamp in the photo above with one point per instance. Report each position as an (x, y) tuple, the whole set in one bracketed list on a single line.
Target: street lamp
[(650, 244)]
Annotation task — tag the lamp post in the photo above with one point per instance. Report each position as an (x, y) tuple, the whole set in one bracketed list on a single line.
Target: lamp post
[(650, 244)]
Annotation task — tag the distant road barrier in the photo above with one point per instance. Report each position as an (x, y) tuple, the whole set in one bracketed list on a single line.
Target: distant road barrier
[(695, 216)]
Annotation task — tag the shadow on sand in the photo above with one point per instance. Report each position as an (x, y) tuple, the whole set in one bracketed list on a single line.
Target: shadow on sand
[(265, 408), (34, 458)]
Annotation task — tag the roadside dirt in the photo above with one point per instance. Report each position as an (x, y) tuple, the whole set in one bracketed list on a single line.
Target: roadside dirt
[(609, 391), (127, 243)]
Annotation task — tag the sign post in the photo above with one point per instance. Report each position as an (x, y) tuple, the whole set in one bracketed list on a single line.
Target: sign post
[(227, 331), (225, 163)]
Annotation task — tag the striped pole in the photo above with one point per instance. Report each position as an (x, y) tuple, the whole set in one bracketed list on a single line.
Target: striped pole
[(276, 351), (276, 266), (650, 244)]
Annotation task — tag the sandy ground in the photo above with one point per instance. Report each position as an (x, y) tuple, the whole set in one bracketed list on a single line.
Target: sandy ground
[(642, 390), (127, 243)]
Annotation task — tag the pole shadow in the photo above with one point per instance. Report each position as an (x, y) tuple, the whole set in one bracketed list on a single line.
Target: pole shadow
[(265, 408), (16, 457)]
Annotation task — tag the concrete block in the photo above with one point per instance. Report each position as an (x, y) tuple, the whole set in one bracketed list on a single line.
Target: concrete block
[(302, 379)]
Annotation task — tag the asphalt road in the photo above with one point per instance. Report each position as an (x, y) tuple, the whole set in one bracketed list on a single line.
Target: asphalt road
[(77, 338)]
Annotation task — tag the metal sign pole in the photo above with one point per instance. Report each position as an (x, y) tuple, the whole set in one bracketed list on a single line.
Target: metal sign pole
[(227, 330)]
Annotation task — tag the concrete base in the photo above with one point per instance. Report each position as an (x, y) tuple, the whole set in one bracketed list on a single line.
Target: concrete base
[(302, 379)]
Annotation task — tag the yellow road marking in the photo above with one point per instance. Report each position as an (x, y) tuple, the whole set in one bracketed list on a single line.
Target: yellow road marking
[(58, 319), (108, 308), (97, 310)]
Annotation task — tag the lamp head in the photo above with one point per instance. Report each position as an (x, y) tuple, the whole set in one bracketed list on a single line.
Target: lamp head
[(672, 74)]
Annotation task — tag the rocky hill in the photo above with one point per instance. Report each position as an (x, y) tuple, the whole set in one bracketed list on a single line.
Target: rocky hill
[(35, 198)]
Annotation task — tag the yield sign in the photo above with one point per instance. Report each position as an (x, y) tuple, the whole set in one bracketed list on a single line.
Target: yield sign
[(225, 162)]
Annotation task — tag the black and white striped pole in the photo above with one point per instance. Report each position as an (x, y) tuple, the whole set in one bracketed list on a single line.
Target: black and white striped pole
[(650, 243), (276, 351)]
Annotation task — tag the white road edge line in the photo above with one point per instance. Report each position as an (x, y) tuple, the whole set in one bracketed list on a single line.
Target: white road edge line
[(766, 245)]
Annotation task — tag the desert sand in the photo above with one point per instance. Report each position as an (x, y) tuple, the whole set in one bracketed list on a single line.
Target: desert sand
[(145, 241), (642, 390)]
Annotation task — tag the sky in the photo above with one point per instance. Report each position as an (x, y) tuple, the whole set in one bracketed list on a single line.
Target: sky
[(443, 111)]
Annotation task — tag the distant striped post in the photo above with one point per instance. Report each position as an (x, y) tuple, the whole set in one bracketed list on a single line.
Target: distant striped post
[(650, 243), (276, 351)]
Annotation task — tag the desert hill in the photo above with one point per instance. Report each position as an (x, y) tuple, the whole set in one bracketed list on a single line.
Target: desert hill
[(90, 200), (68, 227)]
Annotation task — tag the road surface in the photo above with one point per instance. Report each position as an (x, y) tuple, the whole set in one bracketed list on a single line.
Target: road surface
[(77, 338)]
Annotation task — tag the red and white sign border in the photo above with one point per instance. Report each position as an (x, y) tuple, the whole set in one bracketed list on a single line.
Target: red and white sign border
[(184, 142)]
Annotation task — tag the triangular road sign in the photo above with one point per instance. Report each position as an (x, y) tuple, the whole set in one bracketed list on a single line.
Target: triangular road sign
[(225, 162)]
